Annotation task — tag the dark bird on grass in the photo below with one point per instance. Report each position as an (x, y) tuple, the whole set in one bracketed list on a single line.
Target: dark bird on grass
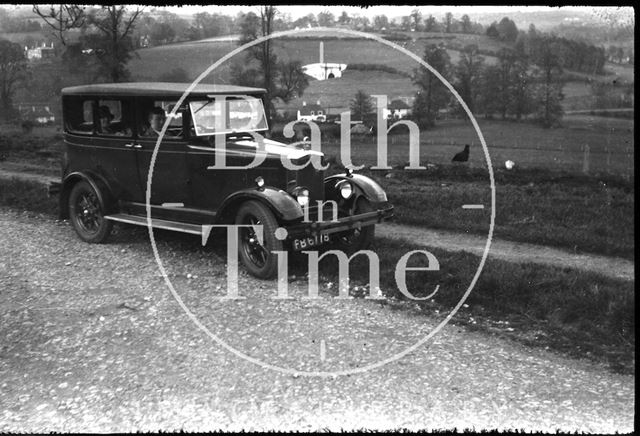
[(3, 157), (463, 156)]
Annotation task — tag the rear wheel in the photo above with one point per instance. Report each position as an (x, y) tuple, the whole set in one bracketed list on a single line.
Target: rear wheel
[(357, 239), (256, 255), (86, 213)]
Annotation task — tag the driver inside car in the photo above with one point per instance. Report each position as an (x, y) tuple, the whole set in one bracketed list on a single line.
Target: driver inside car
[(156, 120)]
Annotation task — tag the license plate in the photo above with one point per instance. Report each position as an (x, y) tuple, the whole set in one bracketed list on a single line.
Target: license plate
[(309, 242)]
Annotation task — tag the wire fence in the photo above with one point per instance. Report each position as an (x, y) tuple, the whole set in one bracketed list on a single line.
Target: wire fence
[(609, 158)]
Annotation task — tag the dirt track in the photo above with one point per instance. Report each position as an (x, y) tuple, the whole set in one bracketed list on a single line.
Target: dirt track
[(512, 251), (92, 340)]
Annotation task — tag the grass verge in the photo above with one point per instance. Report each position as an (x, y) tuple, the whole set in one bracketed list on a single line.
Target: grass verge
[(27, 195), (593, 214), (579, 313)]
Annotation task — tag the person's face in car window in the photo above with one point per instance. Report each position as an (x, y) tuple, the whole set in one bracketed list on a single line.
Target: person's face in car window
[(105, 120), (156, 121)]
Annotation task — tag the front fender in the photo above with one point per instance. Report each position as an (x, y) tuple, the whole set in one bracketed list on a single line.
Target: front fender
[(283, 206), (368, 187), (99, 185)]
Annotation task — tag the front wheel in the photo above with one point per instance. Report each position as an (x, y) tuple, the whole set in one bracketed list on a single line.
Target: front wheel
[(256, 255), (357, 239), (87, 214)]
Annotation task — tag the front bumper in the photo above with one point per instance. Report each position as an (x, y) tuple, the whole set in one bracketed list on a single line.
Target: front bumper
[(353, 222)]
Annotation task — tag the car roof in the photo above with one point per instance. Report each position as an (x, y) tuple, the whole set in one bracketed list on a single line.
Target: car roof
[(157, 89)]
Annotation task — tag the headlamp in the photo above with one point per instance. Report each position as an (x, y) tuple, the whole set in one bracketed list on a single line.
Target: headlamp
[(345, 189), (302, 196)]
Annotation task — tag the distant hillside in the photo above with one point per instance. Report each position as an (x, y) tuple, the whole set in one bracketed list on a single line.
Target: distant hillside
[(19, 37), (543, 20), (195, 57)]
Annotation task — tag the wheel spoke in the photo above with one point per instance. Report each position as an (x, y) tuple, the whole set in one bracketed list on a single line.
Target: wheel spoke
[(88, 212), (255, 251)]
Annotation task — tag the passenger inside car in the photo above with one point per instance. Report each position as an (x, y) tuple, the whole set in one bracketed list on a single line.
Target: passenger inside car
[(156, 120), (106, 127)]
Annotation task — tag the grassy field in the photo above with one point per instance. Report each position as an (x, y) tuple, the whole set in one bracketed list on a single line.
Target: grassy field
[(610, 142), (196, 57), (335, 95), (625, 73)]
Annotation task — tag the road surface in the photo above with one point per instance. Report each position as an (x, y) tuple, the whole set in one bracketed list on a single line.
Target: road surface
[(92, 340)]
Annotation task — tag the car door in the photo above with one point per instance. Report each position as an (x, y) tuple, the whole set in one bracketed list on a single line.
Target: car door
[(113, 149), (170, 179), (210, 186)]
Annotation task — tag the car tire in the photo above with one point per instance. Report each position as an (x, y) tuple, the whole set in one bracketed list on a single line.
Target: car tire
[(87, 214), (258, 258), (356, 240)]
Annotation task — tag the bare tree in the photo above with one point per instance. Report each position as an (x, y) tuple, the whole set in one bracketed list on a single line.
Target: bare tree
[(62, 18), (469, 73), (548, 94), (416, 19), (466, 24), (292, 80), (112, 43), (282, 80), (448, 19), (12, 70), (430, 24), (432, 93)]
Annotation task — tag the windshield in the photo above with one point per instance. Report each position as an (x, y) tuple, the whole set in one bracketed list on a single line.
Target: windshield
[(228, 115)]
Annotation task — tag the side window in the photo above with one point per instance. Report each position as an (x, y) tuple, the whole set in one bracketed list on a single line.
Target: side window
[(78, 114), (153, 115), (113, 118)]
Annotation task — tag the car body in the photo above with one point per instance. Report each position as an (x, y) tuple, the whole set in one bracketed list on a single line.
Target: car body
[(107, 163)]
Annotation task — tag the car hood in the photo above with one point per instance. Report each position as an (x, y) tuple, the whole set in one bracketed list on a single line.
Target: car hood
[(276, 148), (273, 149)]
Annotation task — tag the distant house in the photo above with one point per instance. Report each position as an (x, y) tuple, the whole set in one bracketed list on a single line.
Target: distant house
[(37, 113), (40, 53), (311, 112), (324, 70), (397, 109)]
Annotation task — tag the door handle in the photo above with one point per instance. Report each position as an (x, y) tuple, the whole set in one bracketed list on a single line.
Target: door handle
[(137, 146), (128, 145)]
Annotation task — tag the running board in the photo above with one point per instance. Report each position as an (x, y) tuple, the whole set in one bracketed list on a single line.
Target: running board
[(194, 229)]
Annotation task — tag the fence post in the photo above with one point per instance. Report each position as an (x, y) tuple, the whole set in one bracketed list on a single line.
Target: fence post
[(585, 159)]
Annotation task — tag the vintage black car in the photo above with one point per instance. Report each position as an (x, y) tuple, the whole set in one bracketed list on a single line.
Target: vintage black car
[(111, 130)]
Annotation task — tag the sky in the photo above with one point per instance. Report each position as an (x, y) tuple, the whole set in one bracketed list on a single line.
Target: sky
[(298, 11)]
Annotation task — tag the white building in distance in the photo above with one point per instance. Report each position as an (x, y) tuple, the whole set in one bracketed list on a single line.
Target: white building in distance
[(324, 70)]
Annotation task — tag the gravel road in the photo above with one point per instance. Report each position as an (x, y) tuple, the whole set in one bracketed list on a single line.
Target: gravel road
[(92, 340)]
